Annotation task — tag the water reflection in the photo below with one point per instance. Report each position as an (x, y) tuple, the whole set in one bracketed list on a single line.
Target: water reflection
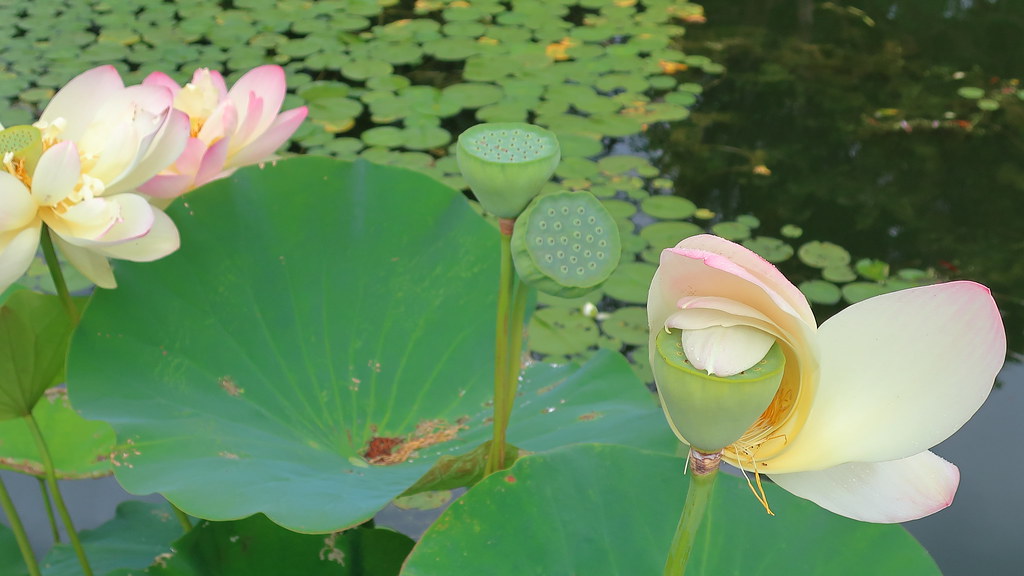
[(847, 121)]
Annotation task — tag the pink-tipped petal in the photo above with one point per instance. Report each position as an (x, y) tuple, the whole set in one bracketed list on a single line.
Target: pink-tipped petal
[(213, 163), (268, 83), (900, 373), (83, 221), (880, 492), (166, 185), (17, 250), (93, 266), (56, 174), (163, 151), (264, 146), (161, 79), (79, 99), (692, 269), (161, 240)]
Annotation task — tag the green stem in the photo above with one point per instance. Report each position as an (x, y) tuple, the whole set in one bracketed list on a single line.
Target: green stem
[(515, 346), (49, 511), (183, 519), (58, 275), (51, 483), (703, 471), (19, 531), (496, 456)]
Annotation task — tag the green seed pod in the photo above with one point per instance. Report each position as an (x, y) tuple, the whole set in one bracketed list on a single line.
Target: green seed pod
[(712, 412), (506, 164), (566, 244), (25, 143)]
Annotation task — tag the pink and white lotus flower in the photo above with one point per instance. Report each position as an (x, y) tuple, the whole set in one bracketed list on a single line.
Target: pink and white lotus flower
[(96, 142), (863, 397), (229, 128)]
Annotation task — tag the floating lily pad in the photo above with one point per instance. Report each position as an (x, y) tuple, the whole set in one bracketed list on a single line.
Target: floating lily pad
[(733, 231), (594, 510), (856, 291), (821, 292), (823, 254), (791, 231), (842, 273), (971, 92), (562, 331), (667, 234), (631, 282), (628, 324), (668, 207)]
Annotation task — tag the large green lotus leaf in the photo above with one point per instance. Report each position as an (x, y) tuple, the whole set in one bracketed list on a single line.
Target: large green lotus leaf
[(322, 319), (256, 546), (80, 448), (34, 332), (139, 532), (610, 510)]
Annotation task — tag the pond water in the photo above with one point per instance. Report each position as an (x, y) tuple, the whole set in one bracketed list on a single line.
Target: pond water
[(854, 109)]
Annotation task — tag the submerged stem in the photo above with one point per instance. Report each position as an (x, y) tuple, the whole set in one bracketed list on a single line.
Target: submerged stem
[(51, 483), (53, 264), (496, 456), (703, 471), (49, 511), (19, 531)]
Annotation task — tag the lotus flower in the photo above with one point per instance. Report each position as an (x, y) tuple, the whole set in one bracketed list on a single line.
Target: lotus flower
[(863, 397), (229, 129), (77, 169)]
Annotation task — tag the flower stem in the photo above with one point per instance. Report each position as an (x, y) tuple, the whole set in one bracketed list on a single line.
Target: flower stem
[(51, 483), (703, 471), (183, 518), (515, 346), (19, 531), (496, 456), (49, 511), (58, 275)]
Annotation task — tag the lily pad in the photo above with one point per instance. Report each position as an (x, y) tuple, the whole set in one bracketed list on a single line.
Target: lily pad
[(628, 324), (771, 249), (823, 254), (821, 292), (562, 331), (139, 532), (668, 207), (606, 510), (631, 282), (256, 545), (314, 385), (79, 448)]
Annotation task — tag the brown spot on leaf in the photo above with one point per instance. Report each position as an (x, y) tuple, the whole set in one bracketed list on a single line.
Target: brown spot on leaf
[(229, 386), (590, 416), (386, 451)]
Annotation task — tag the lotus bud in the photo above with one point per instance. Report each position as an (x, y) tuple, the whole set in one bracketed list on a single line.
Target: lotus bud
[(506, 164), (706, 410)]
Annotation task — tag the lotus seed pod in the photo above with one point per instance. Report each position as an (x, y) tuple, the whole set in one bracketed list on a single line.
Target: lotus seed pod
[(506, 164), (24, 143), (711, 412), (565, 244)]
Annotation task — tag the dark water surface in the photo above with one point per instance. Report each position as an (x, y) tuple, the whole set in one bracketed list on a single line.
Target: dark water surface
[(854, 109)]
